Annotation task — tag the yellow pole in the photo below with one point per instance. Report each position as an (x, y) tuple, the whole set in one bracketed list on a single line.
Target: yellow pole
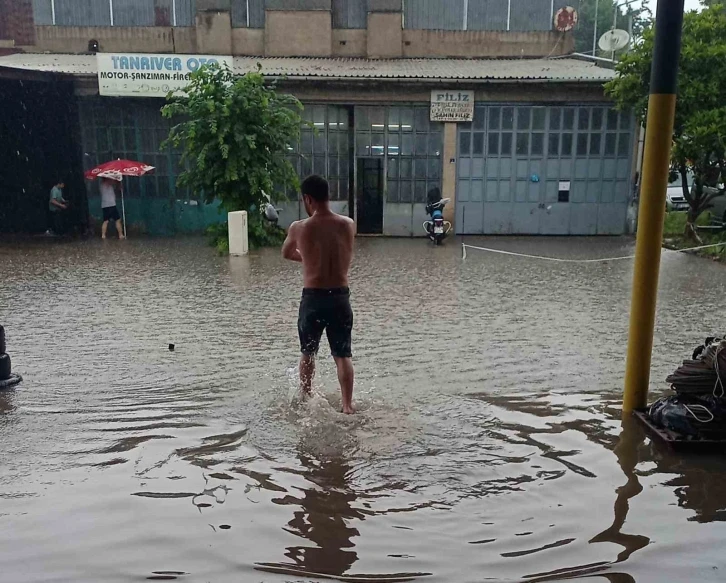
[(656, 159)]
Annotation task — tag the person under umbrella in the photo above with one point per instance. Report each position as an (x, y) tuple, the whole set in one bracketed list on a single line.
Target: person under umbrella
[(116, 170), (109, 208)]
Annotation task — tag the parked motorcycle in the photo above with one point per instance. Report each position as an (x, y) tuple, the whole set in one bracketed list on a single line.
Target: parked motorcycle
[(437, 228)]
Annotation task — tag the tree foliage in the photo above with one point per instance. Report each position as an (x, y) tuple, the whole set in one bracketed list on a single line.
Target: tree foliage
[(235, 132), (699, 135), (606, 10)]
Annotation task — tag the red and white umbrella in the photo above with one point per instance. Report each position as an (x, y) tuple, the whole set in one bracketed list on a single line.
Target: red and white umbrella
[(116, 170)]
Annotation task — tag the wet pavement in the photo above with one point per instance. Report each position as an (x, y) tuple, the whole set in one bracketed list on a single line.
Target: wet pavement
[(488, 444)]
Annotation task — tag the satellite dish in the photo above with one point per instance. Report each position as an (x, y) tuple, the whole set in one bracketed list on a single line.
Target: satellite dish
[(614, 40), (565, 19)]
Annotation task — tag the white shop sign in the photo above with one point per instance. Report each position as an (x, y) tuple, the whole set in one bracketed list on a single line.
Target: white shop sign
[(447, 105), (148, 75)]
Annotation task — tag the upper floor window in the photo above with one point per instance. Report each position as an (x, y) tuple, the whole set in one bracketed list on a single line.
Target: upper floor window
[(248, 13), (114, 12), (345, 13), (350, 13), (512, 15)]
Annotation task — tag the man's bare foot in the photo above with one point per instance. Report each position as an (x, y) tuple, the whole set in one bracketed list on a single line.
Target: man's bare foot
[(103, 236), (121, 237), (348, 410)]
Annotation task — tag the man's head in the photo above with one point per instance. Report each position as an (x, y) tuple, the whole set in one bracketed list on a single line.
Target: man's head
[(61, 184), (316, 194)]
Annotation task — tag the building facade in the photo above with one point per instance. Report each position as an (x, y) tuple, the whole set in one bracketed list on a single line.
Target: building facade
[(541, 150)]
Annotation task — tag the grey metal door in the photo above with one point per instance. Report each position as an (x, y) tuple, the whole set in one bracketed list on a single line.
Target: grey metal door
[(547, 170), (528, 152), (557, 172)]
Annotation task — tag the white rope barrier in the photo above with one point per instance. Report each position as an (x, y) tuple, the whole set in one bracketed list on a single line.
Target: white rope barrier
[(559, 260)]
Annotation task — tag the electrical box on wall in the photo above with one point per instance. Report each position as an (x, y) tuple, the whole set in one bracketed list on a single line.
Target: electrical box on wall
[(563, 192)]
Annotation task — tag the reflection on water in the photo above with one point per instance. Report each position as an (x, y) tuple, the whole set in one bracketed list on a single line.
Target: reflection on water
[(626, 450), (488, 446), (323, 515)]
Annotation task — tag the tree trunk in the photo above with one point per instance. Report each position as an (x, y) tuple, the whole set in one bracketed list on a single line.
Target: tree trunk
[(690, 232)]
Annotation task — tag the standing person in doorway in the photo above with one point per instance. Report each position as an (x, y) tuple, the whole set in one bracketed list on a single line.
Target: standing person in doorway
[(108, 206), (56, 205), (323, 244)]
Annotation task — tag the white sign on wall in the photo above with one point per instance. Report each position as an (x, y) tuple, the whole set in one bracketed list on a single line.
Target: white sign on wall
[(447, 105), (148, 75)]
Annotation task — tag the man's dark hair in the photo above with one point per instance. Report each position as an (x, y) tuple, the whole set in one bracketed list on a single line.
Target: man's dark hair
[(316, 187)]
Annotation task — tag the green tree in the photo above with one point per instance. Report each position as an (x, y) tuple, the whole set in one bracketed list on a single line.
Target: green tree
[(606, 9), (699, 135), (235, 132)]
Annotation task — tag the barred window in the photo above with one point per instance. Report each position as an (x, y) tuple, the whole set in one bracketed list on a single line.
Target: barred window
[(114, 12), (412, 144), (323, 148)]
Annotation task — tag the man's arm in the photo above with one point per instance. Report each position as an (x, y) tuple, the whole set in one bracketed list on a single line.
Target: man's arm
[(289, 248), (57, 203)]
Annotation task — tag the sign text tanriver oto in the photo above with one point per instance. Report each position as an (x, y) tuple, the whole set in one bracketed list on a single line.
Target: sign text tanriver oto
[(149, 75)]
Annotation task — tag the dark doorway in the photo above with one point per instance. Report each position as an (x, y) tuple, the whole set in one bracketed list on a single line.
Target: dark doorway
[(39, 147), (370, 196)]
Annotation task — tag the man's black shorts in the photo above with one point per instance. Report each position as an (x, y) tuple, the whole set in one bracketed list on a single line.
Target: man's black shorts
[(329, 310), (110, 213)]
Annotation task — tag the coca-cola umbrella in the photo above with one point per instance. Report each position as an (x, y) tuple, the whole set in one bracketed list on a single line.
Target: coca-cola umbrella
[(116, 170)]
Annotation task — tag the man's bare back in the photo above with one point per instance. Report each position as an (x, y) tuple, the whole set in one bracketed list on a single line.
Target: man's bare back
[(325, 244)]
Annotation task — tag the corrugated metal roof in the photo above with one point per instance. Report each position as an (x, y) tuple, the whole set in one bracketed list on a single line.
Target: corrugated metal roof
[(458, 69), (52, 63), (475, 70)]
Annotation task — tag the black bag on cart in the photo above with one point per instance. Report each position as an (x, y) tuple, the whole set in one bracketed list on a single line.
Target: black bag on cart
[(691, 415)]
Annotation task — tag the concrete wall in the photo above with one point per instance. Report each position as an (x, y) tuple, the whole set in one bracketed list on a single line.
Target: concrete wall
[(16, 21), (303, 32), (214, 33), (385, 6), (350, 42), (248, 41), (74, 39), (385, 35), (298, 34), (474, 43), (185, 40), (548, 93), (373, 92)]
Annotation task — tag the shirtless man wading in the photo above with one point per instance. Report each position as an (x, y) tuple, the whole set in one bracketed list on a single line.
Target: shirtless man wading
[(324, 245)]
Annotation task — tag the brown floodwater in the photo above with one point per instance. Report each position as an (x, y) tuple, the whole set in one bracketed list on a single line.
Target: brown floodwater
[(488, 444)]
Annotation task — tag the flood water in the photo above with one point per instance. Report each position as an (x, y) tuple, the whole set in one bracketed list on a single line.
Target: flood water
[(488, 444)]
